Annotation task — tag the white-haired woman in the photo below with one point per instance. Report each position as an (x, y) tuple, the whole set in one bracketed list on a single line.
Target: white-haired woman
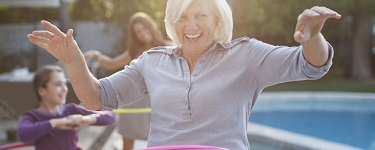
[(203, 89)]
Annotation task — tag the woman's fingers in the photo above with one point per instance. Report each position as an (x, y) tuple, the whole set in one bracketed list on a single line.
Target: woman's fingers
[(311, 21), (315, 14), (49, 26), (304, 18), (69, 36), (40, 41), (43, 33), (326, 12)]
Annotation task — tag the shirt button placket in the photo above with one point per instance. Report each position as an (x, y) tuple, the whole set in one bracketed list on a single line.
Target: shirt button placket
[(185, 100)]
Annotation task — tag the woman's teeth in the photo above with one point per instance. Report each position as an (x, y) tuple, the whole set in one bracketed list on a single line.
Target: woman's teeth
[(192, 36)]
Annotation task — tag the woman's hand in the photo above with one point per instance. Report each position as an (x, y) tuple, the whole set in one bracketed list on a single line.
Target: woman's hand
[(93, 54), (62, 46), (311, 22)]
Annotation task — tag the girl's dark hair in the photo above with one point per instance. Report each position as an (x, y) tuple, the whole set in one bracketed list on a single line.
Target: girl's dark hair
[(135, 46), (42, 76)]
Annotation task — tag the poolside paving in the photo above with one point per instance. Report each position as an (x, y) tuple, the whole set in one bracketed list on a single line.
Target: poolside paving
[(93, 138), (114, 142)]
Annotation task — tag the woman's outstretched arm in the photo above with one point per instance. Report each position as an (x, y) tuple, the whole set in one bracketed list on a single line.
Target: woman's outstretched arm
[(64, 48), (308, 33)]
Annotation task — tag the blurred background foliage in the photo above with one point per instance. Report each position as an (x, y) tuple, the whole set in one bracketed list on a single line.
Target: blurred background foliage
[(119, 12), (271, 21), (10, 15)]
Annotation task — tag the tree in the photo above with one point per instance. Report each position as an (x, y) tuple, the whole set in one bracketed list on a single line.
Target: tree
[(360, 43), (119, 12), (273, 21), (64, 16)]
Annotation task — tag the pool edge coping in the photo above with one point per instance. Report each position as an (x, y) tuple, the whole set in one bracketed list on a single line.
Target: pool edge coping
[(290, 140)]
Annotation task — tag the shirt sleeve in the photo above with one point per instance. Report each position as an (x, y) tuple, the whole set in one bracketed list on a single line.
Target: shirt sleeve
[(123, 87), (29, 130), (278, 64), (314, 72)]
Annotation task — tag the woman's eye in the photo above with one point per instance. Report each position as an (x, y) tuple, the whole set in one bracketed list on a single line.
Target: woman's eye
[(202, 15), (182, 18)]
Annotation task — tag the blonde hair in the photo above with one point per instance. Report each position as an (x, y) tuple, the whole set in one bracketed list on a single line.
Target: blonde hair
[(223, 30)]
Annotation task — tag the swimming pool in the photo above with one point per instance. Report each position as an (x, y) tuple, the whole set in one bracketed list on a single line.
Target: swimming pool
[(347, 118)]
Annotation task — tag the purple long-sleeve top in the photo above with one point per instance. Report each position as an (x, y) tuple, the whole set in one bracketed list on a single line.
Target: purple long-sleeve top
[(36, 129)]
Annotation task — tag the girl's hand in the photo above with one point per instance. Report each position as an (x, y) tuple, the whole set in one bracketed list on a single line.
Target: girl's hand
[(62, 123), (82, 121), (93, 54)]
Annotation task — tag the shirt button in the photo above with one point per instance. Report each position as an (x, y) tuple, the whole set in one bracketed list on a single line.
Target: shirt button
[(185, 102), (201, 61), (195, 74)]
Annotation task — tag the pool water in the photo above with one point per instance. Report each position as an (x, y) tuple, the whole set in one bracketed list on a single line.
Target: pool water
[(353, 128), (347, 119)]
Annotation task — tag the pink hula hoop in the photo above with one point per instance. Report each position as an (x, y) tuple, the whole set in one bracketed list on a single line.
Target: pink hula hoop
[(185, 147)]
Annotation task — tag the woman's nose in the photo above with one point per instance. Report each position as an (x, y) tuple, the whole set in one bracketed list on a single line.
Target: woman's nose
[(192, 24), (144, 34)]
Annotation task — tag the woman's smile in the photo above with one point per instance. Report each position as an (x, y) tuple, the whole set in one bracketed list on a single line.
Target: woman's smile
[(193, 37)]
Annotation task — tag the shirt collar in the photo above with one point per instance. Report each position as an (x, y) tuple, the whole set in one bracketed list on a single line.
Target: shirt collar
[(217, 46)]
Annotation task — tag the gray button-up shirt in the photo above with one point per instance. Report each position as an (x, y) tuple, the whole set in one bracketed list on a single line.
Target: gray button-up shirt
[(210, 106)]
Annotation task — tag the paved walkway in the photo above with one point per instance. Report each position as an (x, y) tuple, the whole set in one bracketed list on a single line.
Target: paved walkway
[(114, 142), (106, 138), (93, 138)]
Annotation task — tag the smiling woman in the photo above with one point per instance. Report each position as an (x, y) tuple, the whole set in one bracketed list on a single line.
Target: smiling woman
[(221, 19), (205, 75)]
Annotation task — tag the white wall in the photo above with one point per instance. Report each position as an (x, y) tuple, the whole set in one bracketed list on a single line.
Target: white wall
[(89, 35), (100, 36)]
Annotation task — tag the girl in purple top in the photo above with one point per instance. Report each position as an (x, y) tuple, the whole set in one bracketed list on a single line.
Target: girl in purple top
[(54, 124)]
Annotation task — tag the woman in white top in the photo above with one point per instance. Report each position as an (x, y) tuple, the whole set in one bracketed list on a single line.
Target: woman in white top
[(203, 89)]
